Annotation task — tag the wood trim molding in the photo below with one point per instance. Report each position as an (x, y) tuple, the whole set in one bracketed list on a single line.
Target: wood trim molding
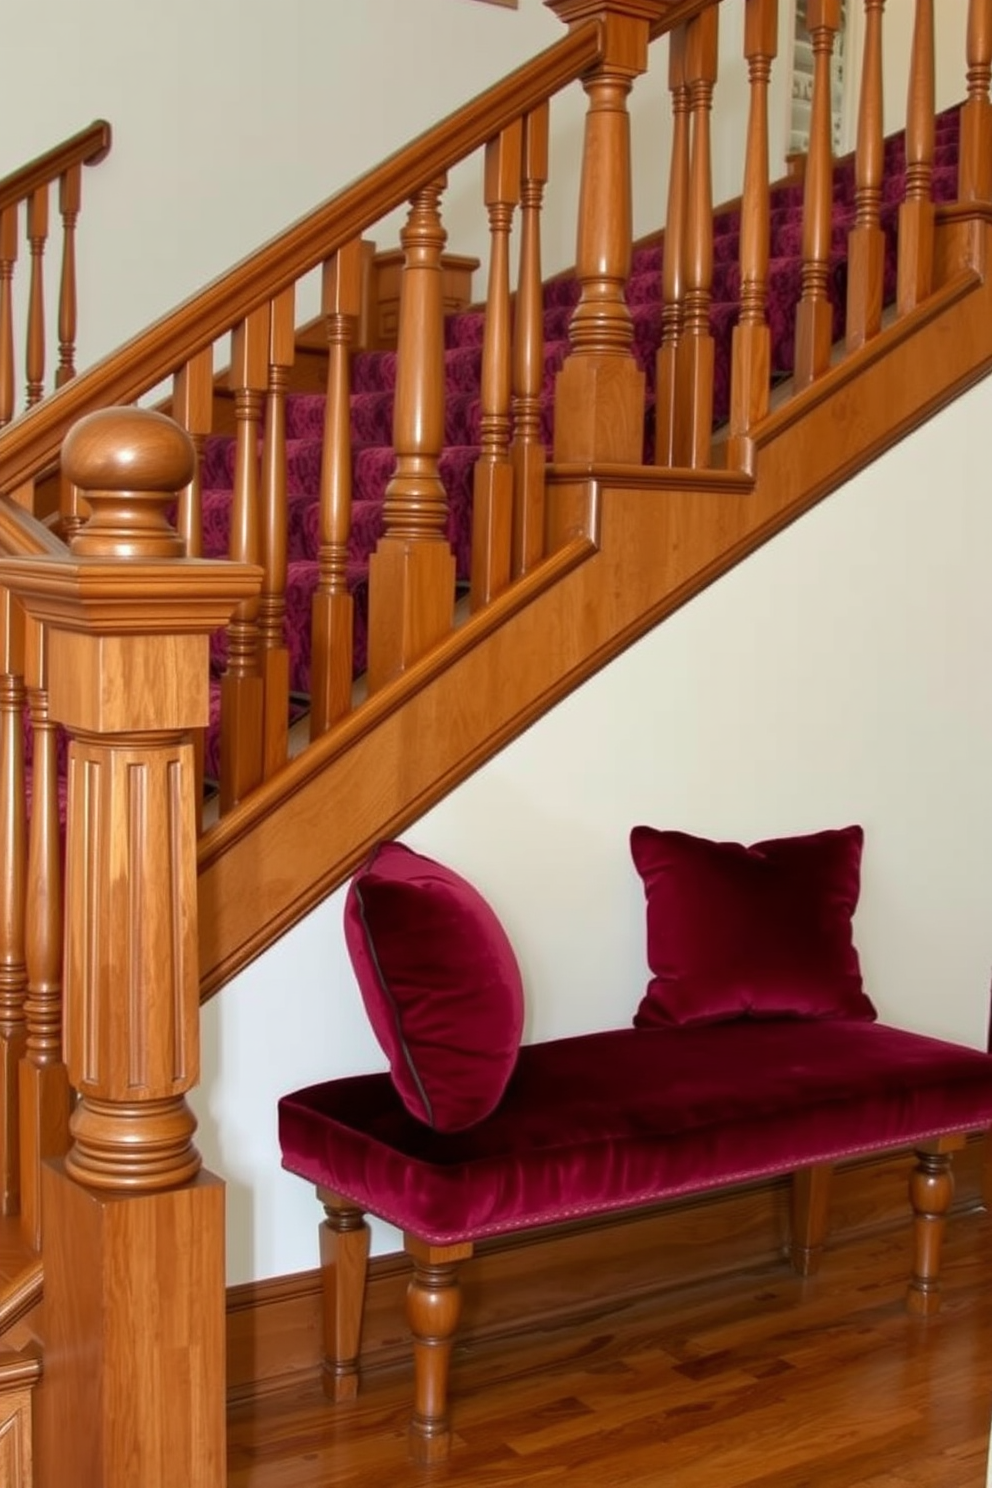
[(546, 1278), (88, 147)]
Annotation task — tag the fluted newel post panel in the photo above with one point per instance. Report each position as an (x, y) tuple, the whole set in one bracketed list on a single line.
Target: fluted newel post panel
[(866, 241), (814, 316), (492, 506), (599, 394), (673, 264), (13, 970), (975, 165), (527, 451), (134, 1230), (916, 213), (751, 346), (412, 571), (333, 619)]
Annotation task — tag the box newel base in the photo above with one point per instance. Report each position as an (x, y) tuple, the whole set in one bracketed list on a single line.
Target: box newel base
[(133, 1230)]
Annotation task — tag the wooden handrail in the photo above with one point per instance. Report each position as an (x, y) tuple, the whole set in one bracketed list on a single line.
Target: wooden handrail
[(88, 147), (30, 447)]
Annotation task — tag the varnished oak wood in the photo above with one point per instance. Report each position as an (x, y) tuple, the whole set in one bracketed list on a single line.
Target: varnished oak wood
[(765, 1379), (603, 588), (527, 450), (866, 241)]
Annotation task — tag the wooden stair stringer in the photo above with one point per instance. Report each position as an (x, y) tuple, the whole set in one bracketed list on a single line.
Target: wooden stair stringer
[(631, 544)]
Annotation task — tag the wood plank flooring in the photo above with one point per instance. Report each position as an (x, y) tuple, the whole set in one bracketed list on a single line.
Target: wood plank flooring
[(761, 1380)]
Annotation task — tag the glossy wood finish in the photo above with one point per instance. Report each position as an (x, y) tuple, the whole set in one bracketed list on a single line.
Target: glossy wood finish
[(344, 1255), (13, 886), (694, 365), (333, 617), (274, 655), (18, 1375), (527, 450), (433, 1308), (750, 376), (762, 1378), (866, 242), (916, 213), (975, 170), (814, 316), (412, 571), (599, 393), (673, 257), (492, 504)]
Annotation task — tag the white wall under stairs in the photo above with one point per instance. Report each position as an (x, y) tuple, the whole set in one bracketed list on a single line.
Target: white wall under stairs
[(840, 674)]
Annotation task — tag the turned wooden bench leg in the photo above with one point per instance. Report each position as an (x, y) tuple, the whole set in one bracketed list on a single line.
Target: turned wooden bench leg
[(931, 1189), (810, 1211), (344, 1254), (433, 1305)]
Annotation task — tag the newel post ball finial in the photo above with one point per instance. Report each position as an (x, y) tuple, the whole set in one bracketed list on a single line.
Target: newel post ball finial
[(129, 463)]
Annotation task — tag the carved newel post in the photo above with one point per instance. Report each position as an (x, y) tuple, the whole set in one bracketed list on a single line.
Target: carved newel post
[(134, 1231), (599, 393)]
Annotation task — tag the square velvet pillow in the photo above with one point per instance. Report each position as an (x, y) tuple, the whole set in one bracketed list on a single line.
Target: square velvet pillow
[(761, 931), (440, 983)]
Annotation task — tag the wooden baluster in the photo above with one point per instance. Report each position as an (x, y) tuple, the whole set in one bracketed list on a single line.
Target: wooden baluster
[(272, 603), (916, 213), (192, 407), (13, 849), (527, 452), (44, 1083), (70, 191), (8, 258), (37, 238), (332, 650), (694, 391), (674, 248), (814, 316), (866, 241), (975, 167), (599, 395), (412, 571), (242, 700), (134, 1249), (750, 376), (492, 504)]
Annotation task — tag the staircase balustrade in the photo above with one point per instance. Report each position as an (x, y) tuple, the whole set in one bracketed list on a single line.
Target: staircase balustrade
[(409, 613), (30, 188)]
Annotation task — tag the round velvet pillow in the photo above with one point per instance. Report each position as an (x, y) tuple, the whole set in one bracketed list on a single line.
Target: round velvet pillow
[(440, 983)]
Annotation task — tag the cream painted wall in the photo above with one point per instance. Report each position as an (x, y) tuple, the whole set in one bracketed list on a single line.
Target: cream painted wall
[(839, 675)]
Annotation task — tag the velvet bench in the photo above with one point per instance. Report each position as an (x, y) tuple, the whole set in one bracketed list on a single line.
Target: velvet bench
[(611, 1122)]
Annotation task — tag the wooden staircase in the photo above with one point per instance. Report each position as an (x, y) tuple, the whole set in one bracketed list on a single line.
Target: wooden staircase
[(573, 559)]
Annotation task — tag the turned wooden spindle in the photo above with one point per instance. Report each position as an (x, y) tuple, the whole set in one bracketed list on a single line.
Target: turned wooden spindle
[(975, 161), (433, 1307), (750, 374), (694, 388), (13, 967), (274, 653), (866, 241), (332, 624), (128, 620), (916, 212), (70, 194), (344, 1254), (527, 451), (37, 238), (599, 393), (814, 315), (44, 1080), (8, 260), (492, 505), (931, 1191), (412, 571), (192, 407), (673, 250), (242, 700)]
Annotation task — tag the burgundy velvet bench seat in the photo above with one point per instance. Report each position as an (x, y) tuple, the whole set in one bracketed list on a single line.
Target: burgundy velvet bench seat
[(609, 1123)]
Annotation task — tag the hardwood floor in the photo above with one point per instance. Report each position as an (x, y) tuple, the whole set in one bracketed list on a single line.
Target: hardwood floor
[(761, 1380)]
